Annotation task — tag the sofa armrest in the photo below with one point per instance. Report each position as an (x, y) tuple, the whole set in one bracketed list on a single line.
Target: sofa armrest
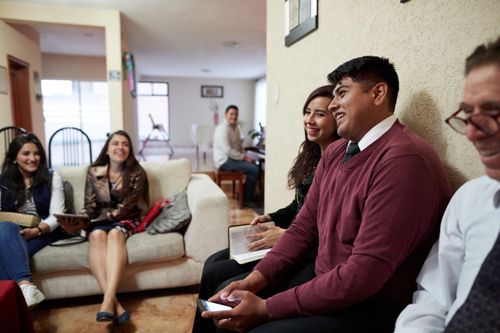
[(207, 231)]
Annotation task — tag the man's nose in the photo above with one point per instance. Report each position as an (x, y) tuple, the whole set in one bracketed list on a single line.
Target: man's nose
[(334, 105)]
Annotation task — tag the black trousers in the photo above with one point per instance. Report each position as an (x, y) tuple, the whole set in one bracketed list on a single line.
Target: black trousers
[(372, 315), (218, 269)]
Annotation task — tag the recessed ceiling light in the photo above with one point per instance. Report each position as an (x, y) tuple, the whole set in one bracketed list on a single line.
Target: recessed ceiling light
[(88, 34), (231, 44), (205, 70)]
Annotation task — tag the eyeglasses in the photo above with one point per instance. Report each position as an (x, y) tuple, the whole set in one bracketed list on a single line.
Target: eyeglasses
[(485, 122)]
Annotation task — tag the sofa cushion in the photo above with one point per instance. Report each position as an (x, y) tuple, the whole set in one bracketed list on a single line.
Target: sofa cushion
[(167, 178), (141, 248), (172, 217)]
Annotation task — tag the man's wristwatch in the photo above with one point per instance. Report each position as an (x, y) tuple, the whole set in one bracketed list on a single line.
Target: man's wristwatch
[(40, 231)]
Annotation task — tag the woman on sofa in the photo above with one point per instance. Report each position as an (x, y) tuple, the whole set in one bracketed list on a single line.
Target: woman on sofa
[(116, 192), (27, 186), (320, 130)]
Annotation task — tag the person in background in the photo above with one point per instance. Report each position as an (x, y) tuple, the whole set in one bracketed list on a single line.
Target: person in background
[(116, 192), (27, 186), (320, 130), (459, 284), (372, 214), (229, 154)]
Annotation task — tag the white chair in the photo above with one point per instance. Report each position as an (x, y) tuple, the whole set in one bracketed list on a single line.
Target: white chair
[(202, 137)]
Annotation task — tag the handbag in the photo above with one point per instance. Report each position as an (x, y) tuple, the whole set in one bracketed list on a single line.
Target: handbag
[(24, 220), (152, 213)]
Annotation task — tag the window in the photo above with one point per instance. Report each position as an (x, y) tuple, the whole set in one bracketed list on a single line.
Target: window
[(153, 111), (81, 104)]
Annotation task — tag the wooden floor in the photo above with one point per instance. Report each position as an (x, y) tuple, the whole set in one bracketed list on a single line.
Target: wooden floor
[(168, 310)]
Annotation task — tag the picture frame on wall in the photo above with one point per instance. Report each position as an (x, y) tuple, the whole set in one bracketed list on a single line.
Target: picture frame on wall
[(301, 18), (3, 80), (212, 91)]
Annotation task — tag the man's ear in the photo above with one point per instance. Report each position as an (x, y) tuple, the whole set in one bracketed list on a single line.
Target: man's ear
[(380, 93)]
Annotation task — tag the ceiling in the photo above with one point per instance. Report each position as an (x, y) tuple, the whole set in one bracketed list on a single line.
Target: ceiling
[(182, 38)]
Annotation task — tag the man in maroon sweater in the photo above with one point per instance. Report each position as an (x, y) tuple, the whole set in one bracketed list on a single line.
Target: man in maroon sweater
[(372, 219)]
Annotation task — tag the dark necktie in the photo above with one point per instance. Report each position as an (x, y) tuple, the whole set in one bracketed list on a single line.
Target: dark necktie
[(481, 309), (352, 150)]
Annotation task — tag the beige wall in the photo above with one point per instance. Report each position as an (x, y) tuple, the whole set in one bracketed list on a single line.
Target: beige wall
[(109, 19), (428, 42), (70, 67), (24, 46)]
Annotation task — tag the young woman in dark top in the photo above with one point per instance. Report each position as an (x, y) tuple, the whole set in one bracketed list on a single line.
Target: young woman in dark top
[(28, 186), (320, 130)]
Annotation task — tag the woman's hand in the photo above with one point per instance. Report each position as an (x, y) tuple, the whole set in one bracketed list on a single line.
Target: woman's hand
[(261, 219), (29, 233), (73, 224), (266, 238)]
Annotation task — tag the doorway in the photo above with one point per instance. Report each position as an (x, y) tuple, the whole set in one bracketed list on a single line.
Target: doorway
[(20, 92)]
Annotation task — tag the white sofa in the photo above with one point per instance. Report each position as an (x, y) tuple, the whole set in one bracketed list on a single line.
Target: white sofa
[(154, 261)]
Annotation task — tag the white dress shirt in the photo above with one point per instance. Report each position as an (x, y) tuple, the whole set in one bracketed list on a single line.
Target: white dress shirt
[(376, 132), (470, 227), (227, 143)]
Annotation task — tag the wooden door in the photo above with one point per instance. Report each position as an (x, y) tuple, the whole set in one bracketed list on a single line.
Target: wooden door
[(20, 93)]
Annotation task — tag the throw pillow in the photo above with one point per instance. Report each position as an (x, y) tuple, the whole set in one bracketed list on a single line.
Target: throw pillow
[(69, 204), (172, 217)]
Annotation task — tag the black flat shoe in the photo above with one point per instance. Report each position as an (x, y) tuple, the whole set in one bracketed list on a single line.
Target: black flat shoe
[(122, 319), (104, 316)]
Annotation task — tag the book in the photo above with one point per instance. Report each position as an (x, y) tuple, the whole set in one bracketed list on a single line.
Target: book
[(238, 241), (24, 220)]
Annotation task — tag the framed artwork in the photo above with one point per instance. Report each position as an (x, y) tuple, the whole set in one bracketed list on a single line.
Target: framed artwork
[(129, 63), (301, 18), (212, 91)]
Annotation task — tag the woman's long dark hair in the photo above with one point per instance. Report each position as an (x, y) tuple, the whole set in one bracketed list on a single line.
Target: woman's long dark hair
[(130, 163), (12, 178), (309, 152)]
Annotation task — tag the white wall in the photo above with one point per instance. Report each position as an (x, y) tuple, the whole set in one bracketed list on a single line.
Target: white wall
[(187, 107), (428, 42)]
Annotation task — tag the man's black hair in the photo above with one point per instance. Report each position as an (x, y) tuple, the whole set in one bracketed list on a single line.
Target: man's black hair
[(231, 107), (370, 69)]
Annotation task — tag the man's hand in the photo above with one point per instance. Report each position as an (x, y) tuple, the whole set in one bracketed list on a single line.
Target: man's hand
[(250, 312), (254, 283), (265, 239)]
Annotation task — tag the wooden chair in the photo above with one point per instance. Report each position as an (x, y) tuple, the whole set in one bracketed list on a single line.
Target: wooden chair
[(233, 176), (72, 145)]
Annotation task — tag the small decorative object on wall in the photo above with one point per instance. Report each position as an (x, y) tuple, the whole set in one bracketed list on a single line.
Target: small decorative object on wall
[(212, 91), (38, 86), (3, 80), (114, 75), (301, 18), (130, 70)]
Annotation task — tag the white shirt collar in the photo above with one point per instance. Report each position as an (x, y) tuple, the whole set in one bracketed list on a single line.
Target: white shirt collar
[(376, 132)]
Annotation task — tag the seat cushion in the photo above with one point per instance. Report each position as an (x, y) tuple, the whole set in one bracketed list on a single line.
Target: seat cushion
[(141, 248)]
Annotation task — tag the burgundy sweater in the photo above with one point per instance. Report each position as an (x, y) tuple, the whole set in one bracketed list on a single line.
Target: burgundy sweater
[(373, 220)]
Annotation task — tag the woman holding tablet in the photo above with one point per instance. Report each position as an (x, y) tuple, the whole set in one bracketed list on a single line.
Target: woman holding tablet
[(116, 192), (28, 187)]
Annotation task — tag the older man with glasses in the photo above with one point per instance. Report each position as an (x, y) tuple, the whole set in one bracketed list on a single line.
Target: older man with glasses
[(459, 285)]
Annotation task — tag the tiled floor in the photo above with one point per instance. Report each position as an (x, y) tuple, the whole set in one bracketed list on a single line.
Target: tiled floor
[(168, 310)]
